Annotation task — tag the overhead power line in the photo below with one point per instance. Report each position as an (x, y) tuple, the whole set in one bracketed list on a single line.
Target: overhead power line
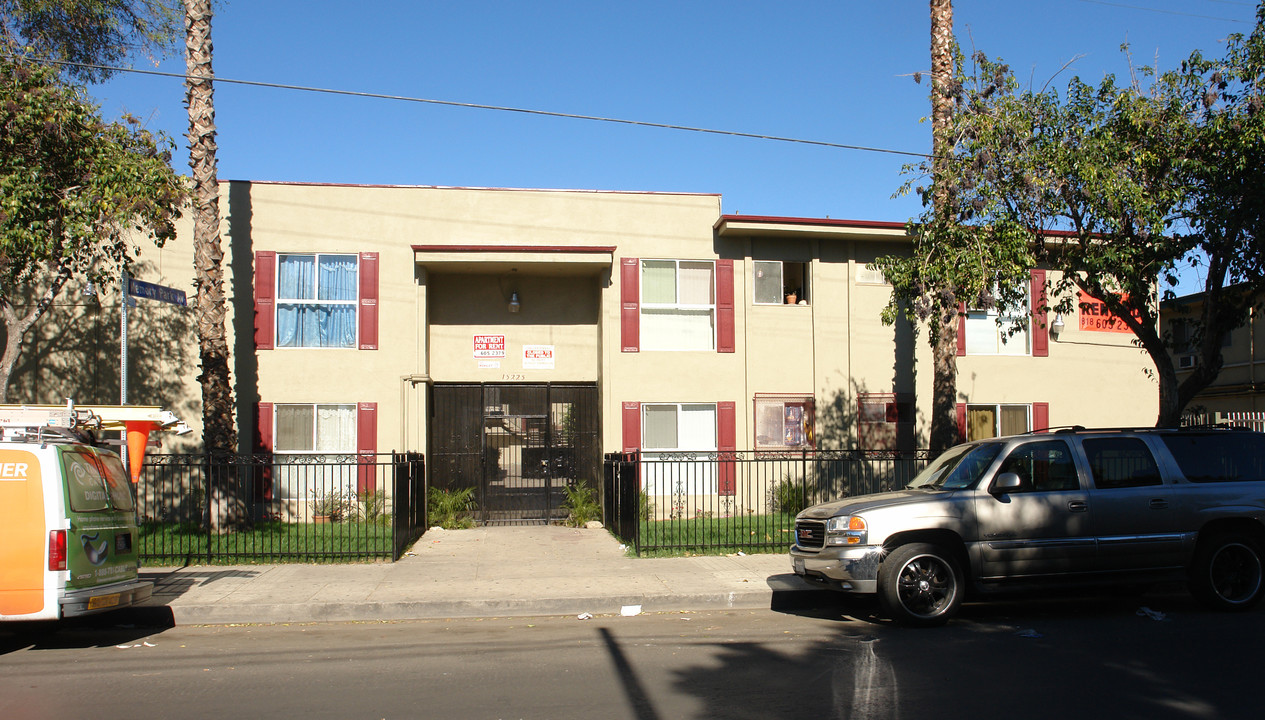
[(1166, 12), (481, 106)]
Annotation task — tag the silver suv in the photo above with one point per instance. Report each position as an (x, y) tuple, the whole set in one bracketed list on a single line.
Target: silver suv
[(1068, 507)]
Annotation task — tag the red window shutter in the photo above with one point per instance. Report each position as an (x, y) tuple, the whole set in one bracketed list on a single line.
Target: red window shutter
[(629, 309), (1040, 332), (367, 447), (369, 301), (961, 422), (725, 306), (265, 303), (1041, 416), (961, 329), (263, 427), (632, 426), (264, 444), (727, 445)]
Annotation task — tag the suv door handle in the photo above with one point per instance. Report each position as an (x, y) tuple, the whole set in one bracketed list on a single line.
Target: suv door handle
[(1159, 504), (1078, 506)]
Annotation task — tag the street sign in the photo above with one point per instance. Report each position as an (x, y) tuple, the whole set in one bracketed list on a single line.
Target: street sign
[(150, 291)]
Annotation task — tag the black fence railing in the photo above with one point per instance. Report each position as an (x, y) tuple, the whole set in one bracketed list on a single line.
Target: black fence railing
[(274, 507), (730, 501)]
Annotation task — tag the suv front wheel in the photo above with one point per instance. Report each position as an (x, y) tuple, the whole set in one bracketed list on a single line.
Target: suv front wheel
[(920, 584), (1226, 573)]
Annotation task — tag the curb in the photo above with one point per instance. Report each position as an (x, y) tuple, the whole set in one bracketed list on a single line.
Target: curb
[(227, 614)]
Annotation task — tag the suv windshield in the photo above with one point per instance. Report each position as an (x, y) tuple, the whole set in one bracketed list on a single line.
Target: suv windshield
[(958, 468)]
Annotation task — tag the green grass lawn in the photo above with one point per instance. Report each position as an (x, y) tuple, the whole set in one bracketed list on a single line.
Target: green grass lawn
[(162, 543), (718, 535)]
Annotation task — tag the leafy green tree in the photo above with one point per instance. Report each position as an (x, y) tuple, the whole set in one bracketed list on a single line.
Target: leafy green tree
[(76, 194), (953, 261), (1114, 186), (92, 33)]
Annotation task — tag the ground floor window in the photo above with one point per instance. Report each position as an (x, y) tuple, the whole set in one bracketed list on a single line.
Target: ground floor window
[(986, 421), (883, 419), (784, 422), (309, 429), (669, 428)]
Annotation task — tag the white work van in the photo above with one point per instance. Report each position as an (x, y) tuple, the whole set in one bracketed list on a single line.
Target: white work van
[(68, 536)]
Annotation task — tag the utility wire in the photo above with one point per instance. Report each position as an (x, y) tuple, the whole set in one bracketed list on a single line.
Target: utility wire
[(1166, 12), (480, 106)]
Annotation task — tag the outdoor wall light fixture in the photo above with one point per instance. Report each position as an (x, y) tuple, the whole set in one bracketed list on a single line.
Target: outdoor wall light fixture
[(1057, 327), (514, 303)]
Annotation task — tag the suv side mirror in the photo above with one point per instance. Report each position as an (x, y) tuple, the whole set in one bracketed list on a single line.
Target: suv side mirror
[(1005, 483)]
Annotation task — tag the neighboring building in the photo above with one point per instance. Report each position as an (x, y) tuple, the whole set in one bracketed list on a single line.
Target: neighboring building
[(1240, 386), (514, 336)]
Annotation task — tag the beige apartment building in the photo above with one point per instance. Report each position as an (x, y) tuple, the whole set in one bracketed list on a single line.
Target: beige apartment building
[(1238, 392), (523, 333)]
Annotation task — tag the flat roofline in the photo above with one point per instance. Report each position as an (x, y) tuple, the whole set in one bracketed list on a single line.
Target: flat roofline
[(299, 183), (826, 222), (515, 248)]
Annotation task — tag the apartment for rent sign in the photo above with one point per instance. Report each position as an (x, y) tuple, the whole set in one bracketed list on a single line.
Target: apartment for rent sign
[(489, 346)]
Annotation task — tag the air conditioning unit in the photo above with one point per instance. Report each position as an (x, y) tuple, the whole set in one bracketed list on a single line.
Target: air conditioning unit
[(1186, 362)]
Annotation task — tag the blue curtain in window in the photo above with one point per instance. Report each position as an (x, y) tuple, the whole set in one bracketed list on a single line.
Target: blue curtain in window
[(329, 324)]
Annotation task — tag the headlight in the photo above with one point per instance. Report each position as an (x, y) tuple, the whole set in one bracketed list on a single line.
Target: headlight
[(846, 530)]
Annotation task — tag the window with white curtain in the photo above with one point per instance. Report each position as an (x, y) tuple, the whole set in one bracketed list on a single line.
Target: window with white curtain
[(307, 428), (678, 304), (315, 428), (317, 300), (678, 427)]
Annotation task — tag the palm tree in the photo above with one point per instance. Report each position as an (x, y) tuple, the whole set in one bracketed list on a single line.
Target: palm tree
[(219, 429), (944, 430)]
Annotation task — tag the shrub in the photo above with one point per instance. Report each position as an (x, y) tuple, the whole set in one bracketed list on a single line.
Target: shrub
[(789, 497), (582, 504), (333, 504), (373, 506), (451, 509)]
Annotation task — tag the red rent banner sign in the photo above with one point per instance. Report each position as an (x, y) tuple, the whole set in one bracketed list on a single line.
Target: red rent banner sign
[(1096, 318)]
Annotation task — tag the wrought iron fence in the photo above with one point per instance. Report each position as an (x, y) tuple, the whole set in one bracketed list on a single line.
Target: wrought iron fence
[(273, 507), (730, 501)]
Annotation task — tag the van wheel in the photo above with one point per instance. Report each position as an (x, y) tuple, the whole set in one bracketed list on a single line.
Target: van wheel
[(920, 584), (1226, 573)]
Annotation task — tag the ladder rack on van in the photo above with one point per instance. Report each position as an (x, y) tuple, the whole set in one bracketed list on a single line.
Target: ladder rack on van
[(68, 423)]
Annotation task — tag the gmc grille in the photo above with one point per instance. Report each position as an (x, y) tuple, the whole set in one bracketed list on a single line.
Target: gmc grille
[(810, 534)]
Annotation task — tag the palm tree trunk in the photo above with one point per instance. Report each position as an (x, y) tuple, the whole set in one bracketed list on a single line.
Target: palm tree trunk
[(219, 429), (944, 429)]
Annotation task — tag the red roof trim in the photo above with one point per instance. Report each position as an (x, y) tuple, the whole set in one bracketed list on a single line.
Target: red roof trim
[(776, 220), (516, 248), (869, 224)]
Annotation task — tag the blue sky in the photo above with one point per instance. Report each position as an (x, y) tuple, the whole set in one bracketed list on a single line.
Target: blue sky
[(838, 72)]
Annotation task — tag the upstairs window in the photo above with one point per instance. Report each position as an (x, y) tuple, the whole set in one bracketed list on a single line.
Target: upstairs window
[(775, 282), (999, 331), (678, 305), (317, 297)]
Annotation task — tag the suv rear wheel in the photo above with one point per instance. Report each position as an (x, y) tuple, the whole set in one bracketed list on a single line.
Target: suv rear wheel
[(920, 584), (1226, 573)]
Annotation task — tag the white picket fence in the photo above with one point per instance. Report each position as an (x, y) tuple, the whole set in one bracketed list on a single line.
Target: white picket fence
[(1252, 420)]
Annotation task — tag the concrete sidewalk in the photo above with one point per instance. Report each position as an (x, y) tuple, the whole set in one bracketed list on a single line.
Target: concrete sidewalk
[(484, 572)]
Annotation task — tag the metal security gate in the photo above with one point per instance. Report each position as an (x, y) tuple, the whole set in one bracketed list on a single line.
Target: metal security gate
[(519, 446)]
